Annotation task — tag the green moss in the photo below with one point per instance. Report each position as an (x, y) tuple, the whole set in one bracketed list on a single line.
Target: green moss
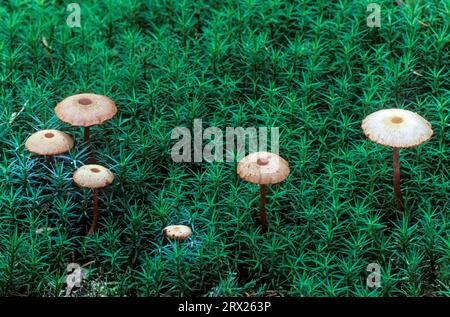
[(312, 68)]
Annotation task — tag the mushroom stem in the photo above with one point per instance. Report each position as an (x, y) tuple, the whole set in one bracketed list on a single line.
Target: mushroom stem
[(50, 160), (397, 190), (86, 134), (95, 213), (262, 208)]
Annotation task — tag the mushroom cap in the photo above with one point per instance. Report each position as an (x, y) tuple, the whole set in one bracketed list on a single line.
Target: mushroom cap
[(263, 168), (397, 128), (177, 232), (49, 142), (85, 110), (93, 176)]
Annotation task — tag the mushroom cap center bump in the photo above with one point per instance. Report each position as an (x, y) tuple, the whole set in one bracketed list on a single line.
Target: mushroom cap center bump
[(49, 135), (262, 161), (397, 120), (85, 101)]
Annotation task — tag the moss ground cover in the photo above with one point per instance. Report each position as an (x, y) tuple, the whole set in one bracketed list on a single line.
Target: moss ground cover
[(312, 68)]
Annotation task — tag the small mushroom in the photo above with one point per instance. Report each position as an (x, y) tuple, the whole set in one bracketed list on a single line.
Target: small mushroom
[(397, 128), (85, 110), (177, 232), (49, 143), (95, 177), (263, 168)]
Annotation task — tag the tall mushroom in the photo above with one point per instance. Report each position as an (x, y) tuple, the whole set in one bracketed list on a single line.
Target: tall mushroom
[(263, 168), (94, 177), (49, 143), (397, 128), (85, 110)]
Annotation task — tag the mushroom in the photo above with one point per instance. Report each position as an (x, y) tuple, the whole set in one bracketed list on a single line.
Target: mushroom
[(49, 143), (85, 110), (263, 168), (397, 128), (94, 177), (177, 232)]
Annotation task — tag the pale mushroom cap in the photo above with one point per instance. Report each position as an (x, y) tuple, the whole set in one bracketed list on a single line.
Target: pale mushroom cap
[(93, 176), (263, 168), (397, 128), (177, 232), (85, 109), (49, 142)]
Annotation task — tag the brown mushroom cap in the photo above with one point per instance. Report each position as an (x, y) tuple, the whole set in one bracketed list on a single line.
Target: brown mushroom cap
[(93, 176), (397, 128), (177, 232), (85, 109), (49, 142), (263, 168)]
